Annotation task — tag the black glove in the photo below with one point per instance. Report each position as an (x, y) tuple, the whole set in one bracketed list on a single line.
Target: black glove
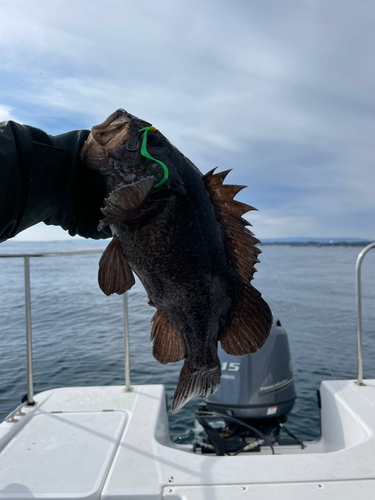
[(45, 180)]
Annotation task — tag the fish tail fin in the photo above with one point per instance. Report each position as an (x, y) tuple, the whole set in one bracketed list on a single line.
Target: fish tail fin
[(195, 384)]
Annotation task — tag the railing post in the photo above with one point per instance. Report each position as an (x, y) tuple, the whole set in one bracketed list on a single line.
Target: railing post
[(30, 387), (128, 387), (26, 258), (359, 311)]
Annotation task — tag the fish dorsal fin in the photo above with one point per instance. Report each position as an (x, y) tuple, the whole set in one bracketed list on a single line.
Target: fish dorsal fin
[(240, 240), (168, 345), (115, 275), (251, 320), (247, 331), (125, 200), (226, 191), (213, 179), (236, 207), (230, 217)]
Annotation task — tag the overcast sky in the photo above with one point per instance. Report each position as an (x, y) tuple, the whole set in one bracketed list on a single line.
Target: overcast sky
[(283, 92)]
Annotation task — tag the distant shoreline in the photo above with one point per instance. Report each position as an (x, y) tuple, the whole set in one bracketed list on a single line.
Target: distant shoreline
[(317, 243)]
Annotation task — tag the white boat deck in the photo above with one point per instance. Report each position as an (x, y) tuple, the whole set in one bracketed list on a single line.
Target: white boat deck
[(103, 443)]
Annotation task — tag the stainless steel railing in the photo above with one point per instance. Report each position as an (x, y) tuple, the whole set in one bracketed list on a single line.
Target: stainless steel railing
[(359, 311), (29, 352)]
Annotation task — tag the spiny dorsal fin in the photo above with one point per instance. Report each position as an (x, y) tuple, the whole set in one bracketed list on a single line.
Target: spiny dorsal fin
[(226, 191), (115, 275), (126, 199), (242, 248), (225, 214), (233, 206), (240, 241), (243, 235), (252, 319), (247, 331), (244, 269), (209, 174), (238, 231), (168, 346), (212, 179)]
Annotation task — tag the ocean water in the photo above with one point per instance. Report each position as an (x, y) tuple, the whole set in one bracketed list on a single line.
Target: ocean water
[(78, 331)]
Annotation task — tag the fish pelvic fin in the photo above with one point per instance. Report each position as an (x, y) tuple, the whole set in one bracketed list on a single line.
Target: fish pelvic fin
[(195, 384), (115, 275), (125, 200), (168, 345), (250, 324)]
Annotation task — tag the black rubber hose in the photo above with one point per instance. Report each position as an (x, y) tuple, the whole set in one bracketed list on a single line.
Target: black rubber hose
[(236, 420)]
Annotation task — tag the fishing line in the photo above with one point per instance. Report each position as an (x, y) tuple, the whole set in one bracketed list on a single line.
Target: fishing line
[(145, 153), (319, 352)]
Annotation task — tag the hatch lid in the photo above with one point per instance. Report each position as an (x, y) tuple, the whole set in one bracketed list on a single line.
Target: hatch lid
[(61, 455)]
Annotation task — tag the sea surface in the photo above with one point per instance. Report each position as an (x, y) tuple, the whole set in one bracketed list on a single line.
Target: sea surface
[(78, 331)]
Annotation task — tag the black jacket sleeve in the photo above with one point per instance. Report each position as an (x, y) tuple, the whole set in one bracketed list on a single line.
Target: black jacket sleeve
[(43, 179)]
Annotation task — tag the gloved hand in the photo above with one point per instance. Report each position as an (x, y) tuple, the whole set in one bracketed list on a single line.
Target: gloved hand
[(45, 180), (79, 209)]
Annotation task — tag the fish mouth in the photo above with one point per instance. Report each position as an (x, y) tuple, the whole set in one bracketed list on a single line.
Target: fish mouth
[(114, 142), (116, 130)]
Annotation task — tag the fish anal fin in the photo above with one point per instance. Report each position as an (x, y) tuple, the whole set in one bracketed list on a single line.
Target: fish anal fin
[(250, 325), (115, 275), (195, 384), (168, 345)]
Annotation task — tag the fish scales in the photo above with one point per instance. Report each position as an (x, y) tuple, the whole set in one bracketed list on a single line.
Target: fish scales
[(172, 235)]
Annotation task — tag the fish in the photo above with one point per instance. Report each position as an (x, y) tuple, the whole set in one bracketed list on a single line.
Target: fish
[(183, 235)]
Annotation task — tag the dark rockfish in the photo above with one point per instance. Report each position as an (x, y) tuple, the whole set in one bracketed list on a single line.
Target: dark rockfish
[(182, 234)]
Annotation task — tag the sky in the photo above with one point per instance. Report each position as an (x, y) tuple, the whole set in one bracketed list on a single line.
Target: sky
[(282, 92)]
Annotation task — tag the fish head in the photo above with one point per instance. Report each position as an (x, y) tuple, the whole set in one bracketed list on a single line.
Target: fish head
[(112, 146), (141, 168), (122, 149)]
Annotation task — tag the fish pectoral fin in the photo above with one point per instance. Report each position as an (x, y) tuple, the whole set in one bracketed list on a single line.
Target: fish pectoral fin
[(250, 325), (115, 275), (168, 345), (125, 200), (195, 384)]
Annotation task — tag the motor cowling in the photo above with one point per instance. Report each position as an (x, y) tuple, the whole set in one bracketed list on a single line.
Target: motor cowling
[(257, 386)]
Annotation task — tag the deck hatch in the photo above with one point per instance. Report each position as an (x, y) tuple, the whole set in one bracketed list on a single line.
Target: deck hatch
[(65, 455)]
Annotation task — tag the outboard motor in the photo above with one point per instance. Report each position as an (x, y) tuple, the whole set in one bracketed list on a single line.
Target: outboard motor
[(256, 394)]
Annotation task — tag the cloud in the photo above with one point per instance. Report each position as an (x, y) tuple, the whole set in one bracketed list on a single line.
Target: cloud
[(283, 94), (6, 113)]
